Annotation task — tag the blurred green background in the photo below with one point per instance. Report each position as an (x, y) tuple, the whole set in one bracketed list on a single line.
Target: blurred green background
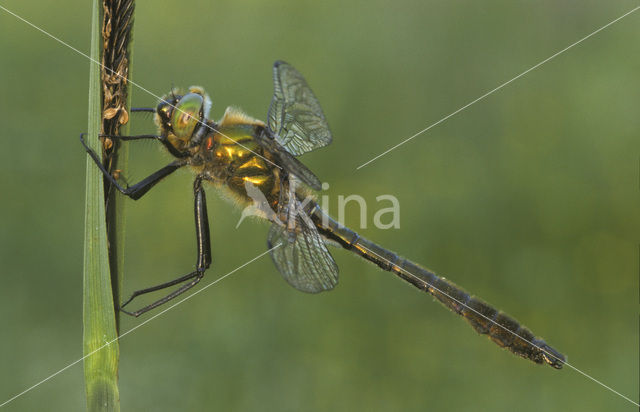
[(528, 198)]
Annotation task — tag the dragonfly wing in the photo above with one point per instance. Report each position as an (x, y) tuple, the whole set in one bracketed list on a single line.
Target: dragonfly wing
[(302, 257), (287, 161), (295, 115)]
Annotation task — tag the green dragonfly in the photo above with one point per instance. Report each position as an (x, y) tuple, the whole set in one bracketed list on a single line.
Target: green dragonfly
[(256, 164)]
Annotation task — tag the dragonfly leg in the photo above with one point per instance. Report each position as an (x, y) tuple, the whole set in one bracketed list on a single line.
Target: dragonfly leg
[(203, 241), (137, 190), (143, 109), (135, 137)]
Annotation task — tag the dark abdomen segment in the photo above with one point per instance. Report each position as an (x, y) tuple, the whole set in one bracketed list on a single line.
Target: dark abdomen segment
[(485, 319)]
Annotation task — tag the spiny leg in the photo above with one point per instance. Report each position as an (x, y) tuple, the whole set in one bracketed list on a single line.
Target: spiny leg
[(137, 190), (135, 137), (107, 161), (162, 139), (143, 109), (203, 262)]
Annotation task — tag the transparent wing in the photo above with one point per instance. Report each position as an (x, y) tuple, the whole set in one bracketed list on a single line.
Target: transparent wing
[(295, 115), (287, 161), (302, 257)]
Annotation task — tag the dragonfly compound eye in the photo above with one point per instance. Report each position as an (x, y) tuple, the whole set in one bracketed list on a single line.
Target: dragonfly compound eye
[(187, 115)]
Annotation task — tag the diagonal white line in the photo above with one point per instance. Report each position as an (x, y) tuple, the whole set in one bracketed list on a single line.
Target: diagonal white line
[(499, 325), (136, 327), (130, 81), (496, 89)]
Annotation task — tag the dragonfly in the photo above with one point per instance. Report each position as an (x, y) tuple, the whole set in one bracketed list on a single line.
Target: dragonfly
[(256, 164)]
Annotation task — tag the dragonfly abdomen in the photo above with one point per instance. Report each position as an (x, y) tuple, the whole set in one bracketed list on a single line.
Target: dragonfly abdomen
[(505, 331)]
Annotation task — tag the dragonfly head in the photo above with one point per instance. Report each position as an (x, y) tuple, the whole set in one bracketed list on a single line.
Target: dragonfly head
[(178, 115)]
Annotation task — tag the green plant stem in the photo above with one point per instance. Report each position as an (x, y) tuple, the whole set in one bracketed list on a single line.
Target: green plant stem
[(101, 364)]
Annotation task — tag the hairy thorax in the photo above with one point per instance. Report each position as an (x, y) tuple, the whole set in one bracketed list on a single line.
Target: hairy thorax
[(231, 158)]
